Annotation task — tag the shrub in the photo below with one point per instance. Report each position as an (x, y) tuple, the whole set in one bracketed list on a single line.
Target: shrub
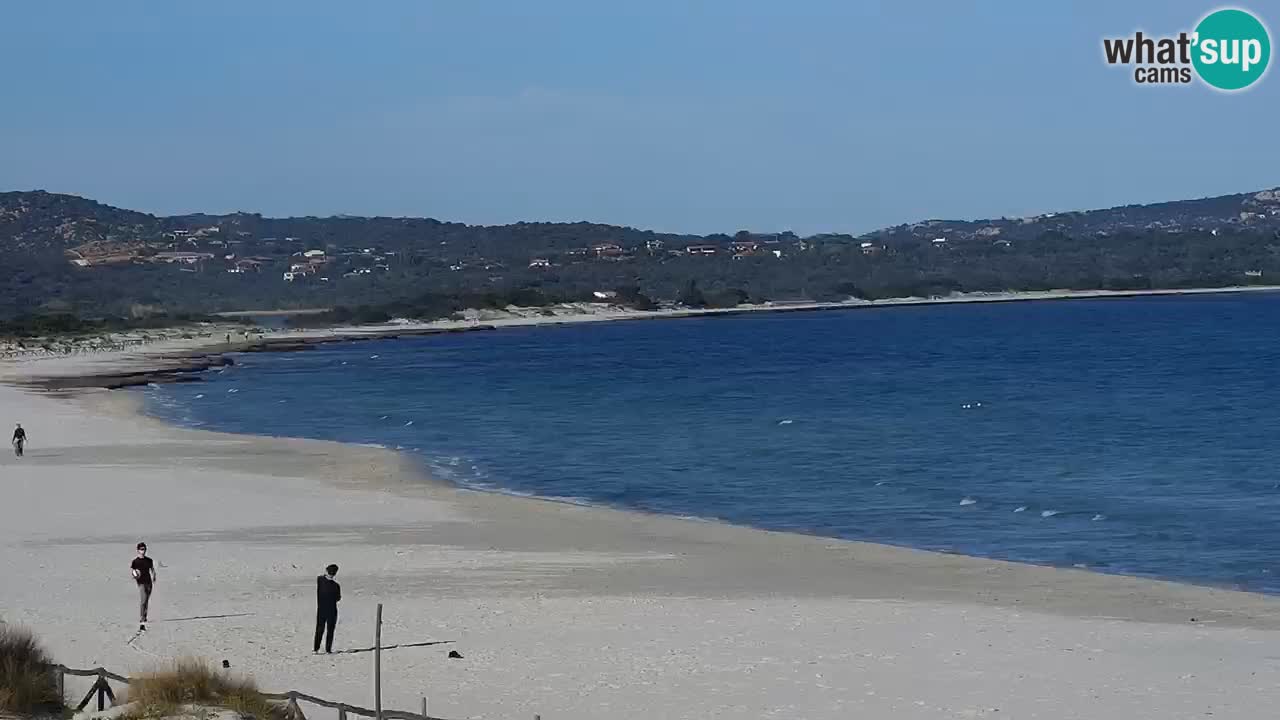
[(194, 682), (27, 685)]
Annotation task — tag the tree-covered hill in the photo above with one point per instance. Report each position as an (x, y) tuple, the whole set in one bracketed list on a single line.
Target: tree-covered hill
[(69, 254)]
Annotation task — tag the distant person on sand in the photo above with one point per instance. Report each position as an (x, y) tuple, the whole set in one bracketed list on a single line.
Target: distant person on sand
[(328, 593), (144, 572), (19, 440)]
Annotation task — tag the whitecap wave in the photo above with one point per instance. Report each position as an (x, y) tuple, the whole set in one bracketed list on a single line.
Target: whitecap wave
[(968, 501)]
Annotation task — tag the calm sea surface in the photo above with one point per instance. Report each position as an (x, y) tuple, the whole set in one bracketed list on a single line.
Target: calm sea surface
[(1133, 436)]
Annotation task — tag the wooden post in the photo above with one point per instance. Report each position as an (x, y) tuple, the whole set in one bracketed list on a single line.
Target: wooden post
[(377, 665), (342, 713), (62, 683), (102, 696), (424, 707)]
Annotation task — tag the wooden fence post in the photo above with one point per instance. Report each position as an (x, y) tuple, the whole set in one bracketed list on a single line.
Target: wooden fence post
[(342, 713), (62, 682), (424, 707), (295, 712), (102, 696), (377, 665)]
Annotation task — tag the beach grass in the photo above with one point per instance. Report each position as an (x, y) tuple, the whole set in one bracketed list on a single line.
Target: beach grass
[(27, 684), (191, 681)]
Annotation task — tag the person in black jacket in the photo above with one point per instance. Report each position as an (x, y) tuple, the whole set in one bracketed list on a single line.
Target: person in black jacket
[(19, 440), (328, 593)]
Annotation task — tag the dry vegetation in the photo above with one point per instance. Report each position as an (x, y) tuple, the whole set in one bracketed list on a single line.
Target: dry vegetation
[(194, 682), (27, 686)]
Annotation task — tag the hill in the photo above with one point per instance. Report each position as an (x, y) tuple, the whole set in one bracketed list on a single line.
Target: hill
[(71, 254)]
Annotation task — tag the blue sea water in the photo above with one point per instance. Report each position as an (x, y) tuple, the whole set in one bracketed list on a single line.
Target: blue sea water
[(1134, 436)]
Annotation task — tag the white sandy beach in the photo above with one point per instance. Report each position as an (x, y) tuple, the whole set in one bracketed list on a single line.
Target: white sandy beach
[(565, 611)]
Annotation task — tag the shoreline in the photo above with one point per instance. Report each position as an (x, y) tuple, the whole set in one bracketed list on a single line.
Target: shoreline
[(571, 611), (416, 470), (173, 360), (79, 389)]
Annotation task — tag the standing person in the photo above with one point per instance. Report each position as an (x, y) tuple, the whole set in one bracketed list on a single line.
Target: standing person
[(328, 593), (19, 440), (144, 572)]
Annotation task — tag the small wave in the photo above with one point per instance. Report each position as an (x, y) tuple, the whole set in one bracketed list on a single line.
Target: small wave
[(197, 397), (881, 482), (785, 422), (384, 417), (408, 423), (1049, 513), (1099, 517), (372, 357), (968, 501), (1020, 508), (232, 390)]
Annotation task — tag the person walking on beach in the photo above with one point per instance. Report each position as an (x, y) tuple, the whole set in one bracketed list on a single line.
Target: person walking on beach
[(144, 572), (19, 440), (328, 594)]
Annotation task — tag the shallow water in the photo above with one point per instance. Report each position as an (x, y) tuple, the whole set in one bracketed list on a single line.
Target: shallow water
[(1133, 436)]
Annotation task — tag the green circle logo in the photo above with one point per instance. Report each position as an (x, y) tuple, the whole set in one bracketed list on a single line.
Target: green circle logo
[(1232, 49)]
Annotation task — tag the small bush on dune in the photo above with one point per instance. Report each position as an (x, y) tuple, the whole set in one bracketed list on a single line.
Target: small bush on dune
[(194, 682), (27, 685)]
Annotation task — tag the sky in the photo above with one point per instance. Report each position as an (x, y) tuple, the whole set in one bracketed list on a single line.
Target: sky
[(673, 115)]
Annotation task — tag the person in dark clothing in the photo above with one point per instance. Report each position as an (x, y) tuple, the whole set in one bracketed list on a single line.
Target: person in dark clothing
[(19, 440), (144, 573), (328, 594)]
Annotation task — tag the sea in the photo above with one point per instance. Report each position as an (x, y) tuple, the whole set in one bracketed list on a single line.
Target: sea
[(1135, 436)]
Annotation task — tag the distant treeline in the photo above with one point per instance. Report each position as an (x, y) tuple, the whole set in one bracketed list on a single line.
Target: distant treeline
[(435, 306), (428, 269), (58, 324)]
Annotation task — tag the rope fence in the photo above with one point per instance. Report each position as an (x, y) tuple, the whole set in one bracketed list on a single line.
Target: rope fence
[(102, 690)]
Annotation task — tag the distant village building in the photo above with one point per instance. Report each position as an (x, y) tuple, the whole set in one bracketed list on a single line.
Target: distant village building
[(607, 250), (605, 294), (702, 249), (184, 258)]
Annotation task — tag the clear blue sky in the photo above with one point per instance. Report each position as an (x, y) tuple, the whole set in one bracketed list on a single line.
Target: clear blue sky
[(680, 115)]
